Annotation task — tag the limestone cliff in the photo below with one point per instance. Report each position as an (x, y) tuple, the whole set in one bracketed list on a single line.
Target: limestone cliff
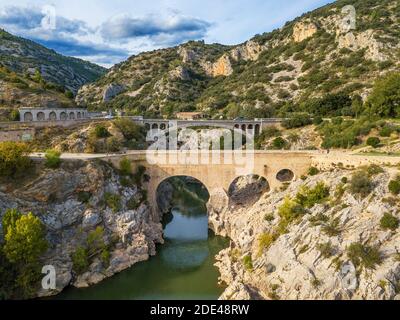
[(311, 260), (303, 31), (74, 200)]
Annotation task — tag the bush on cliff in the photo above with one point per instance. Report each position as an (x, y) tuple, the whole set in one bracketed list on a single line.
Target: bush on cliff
[(125, 167), (389, 222), (24, 244), (363, 255), (297, 121), (101, 131), (373, 142), (53, 158), (14, 160), (394, 186), (308, 197), (360, 184), (113, 201)]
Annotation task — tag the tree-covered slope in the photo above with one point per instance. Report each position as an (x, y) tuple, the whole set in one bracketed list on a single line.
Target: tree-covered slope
[(311, 57), (25, 57)]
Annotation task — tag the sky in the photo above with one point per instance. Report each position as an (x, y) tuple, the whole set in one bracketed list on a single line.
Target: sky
[(107, 32)]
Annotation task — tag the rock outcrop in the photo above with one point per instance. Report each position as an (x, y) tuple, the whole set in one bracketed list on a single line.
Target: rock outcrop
[(111, 91), (303, 30), (310, 260), (72, 202), (364, 40), (248, 51), (187, 55), (179, 73), (222, 67)]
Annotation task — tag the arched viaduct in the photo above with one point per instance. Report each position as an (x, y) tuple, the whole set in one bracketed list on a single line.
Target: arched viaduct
[(214, 176), (52, 114), (252, 127)]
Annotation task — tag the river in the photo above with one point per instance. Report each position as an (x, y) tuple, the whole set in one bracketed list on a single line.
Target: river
[(182, 269)]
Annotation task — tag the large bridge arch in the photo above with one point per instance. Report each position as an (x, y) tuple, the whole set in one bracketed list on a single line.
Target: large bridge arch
[(217, 177)]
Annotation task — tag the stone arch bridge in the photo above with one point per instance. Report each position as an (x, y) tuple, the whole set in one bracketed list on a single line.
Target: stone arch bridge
[(217, 175)]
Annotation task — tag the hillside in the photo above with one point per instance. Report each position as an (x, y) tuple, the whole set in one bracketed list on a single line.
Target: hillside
[(25, 91), (312, 56), (25, 57)]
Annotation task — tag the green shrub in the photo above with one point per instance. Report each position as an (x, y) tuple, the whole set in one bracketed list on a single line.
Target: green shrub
[(344, 180), (134, 202), (325, 249), (308, 197), (101, 131), (270, 132), (289, 211), (373, 142), (360, 184), (331, 227), (138, 176), (130, 130), (317, 120), (14, 160), (125, 166), (25, 239), (53, 158), (84, 196), (80, 260), (113, 144), (265, 240), (113, 201), (312, 171), (385, 96), (105, 257), (389, 222), (386, 131), (95, 241), (394, 186), (247, 262), (269, 217), (364, 256), (23, 246), (297, 121), (373, 170), (278, 143)]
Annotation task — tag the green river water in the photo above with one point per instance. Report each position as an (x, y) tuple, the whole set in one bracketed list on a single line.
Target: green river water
[(183, 267)]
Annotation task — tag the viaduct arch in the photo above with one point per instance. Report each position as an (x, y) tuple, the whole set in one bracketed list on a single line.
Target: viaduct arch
[(54, 114), (267, 164)]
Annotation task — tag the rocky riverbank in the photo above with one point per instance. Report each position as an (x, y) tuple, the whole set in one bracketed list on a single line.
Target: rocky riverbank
[(74, 201), (336, 249)]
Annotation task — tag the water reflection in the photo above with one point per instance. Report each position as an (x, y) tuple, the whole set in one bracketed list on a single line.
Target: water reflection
[(182, 269)]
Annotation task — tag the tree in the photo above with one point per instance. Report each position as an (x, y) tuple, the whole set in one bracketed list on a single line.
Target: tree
[(384, 100), (101, 131), (14, 158), (129, 129), (125, 167), (24, 243), (297, 121), (357, 105), (25, 239), (53, 158), (233, 110), (373, 142), (14, 115)]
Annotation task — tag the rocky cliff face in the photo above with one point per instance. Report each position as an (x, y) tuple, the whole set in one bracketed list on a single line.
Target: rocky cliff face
[(311, 260), (72, 202), (303, 31)]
